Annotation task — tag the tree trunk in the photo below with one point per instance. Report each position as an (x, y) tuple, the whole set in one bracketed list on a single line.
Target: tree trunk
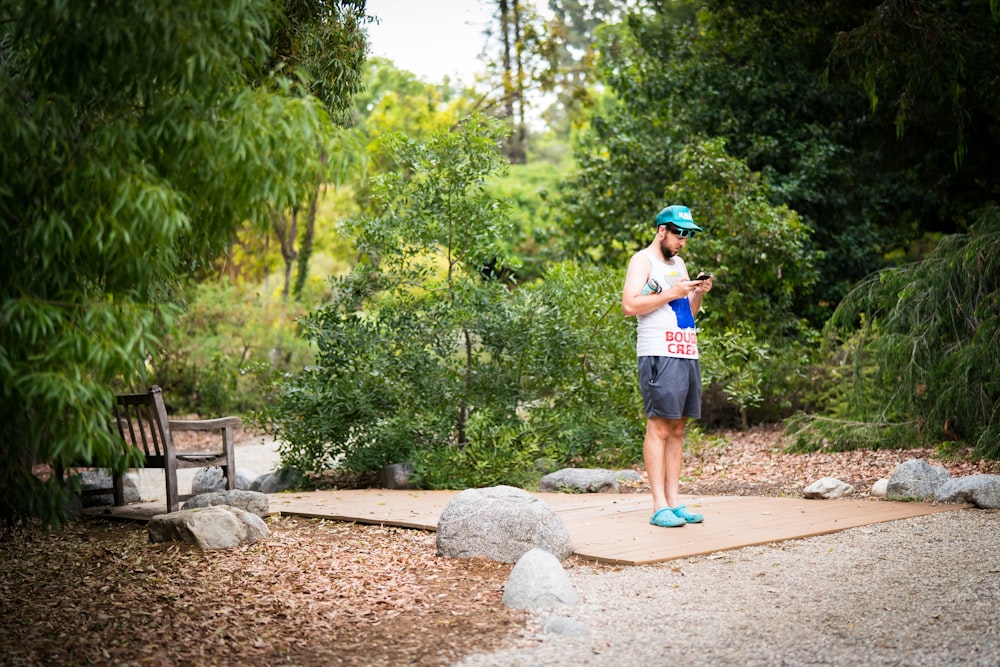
[(305, 249), (463, 408), (286, 232), (513, 83), (519, 154), (305, 252)]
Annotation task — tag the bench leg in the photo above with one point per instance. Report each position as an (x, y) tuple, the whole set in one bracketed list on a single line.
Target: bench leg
[(229, 470), (173, 503), (118, 488)]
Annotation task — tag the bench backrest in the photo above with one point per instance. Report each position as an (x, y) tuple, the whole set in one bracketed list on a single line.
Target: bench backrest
[(142, 422)]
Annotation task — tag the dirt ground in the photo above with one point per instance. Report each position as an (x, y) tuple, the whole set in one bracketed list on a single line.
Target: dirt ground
[(319, 592)]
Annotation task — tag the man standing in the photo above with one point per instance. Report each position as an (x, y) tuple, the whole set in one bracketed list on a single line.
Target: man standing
[(659, 291)]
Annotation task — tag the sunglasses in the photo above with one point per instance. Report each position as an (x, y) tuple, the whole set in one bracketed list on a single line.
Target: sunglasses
[(683, 233)]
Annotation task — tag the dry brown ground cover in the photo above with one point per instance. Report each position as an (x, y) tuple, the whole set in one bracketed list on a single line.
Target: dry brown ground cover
[(319, 593)]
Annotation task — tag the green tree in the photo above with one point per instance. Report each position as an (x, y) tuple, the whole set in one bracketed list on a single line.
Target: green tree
[(518, 53), (568, 48), (133, 150), (536, 240), (759, 253), (398, 357), (761, 75), (931, 68), (381, 77)]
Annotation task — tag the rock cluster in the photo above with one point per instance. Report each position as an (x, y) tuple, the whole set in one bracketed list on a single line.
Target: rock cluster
[(99, 478), (915, 479), (205, 481), (507, 524)]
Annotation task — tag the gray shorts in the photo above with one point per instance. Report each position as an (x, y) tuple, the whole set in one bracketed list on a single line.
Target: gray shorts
[(671, 387)]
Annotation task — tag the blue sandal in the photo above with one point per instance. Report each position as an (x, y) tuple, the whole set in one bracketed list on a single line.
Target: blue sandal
[(666, 518), (681, 513)]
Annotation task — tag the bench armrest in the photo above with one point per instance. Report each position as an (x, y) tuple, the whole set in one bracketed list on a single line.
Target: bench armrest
[(204, 424)]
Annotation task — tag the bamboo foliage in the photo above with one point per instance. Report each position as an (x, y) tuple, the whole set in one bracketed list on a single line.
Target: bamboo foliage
[(133, 149)]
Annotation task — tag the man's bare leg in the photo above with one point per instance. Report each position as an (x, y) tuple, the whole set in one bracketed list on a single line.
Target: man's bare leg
[(661, 451)]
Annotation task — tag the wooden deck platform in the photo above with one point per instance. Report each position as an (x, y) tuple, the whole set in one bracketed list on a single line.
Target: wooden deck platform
[(615, 528), (612, 528)]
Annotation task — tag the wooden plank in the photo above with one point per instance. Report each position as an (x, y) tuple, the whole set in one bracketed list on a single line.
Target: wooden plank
[(408, 509)]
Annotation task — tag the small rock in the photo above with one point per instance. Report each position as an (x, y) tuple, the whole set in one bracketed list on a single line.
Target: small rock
[(828, 488), (210, 479), (627, 476), (579, 480), (629, 481), (880, 488), (396, 476), (277, 481), (538, 581), (100, 478), (567, 627)]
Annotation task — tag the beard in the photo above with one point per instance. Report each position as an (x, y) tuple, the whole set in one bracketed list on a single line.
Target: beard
[(667, 252)]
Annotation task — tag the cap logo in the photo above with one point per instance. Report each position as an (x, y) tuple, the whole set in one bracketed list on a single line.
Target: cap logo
[(684, 215)]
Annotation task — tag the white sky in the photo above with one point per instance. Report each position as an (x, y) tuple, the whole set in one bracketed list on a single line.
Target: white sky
[(431, 38)]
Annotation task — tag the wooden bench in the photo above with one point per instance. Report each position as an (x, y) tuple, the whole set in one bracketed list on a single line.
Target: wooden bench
[(141, 421)]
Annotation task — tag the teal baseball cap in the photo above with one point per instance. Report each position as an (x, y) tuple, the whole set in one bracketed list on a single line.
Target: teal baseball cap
[(678, 216)]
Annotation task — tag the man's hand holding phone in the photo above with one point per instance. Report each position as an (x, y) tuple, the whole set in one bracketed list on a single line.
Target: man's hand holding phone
[(702, 282)]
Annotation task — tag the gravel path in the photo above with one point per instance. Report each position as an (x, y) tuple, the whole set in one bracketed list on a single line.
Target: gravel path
[(921, 591)]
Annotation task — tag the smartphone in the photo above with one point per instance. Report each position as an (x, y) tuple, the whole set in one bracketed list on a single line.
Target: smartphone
[(702, 276)]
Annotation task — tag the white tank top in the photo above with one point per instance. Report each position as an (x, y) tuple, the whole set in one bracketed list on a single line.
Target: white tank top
[(668, 331)]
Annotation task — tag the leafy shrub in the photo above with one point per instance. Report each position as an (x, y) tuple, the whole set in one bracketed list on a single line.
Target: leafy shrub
[(421, 358), (498, 452), (580, 366), (759, 254)]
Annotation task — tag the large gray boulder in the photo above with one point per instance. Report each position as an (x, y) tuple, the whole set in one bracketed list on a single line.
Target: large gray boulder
[(216, 527), (501, 523), (249, 501), (538, 581), (915, 479), (983, 491), (579, 480), (207, 480)]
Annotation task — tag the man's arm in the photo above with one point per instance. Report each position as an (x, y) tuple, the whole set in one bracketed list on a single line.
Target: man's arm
[(634, 302)]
